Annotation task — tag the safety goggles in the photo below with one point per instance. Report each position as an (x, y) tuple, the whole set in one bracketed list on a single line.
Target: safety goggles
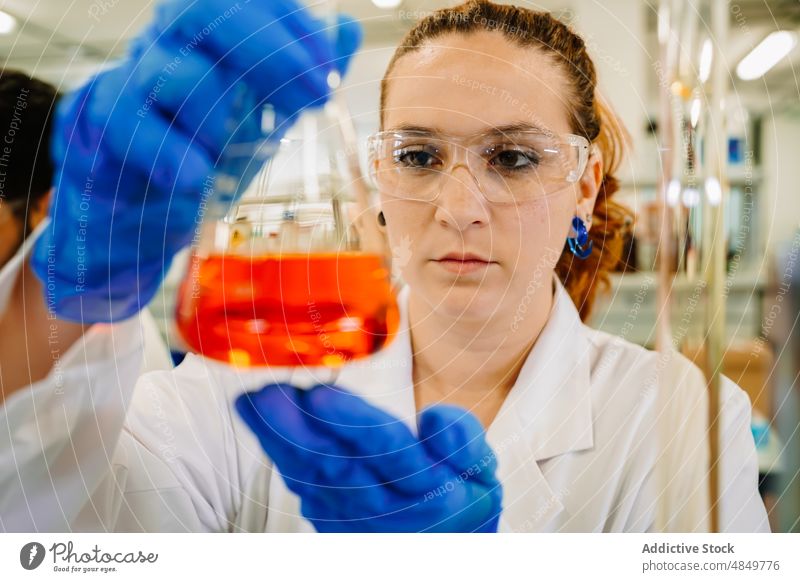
[(507, 167)]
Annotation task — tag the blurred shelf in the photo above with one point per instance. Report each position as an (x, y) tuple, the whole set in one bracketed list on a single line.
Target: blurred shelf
[(739, 175), (630, 309), (746, 278)]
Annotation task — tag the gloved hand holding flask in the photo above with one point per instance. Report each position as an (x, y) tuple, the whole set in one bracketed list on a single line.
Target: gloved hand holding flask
[(356, 468), (137, 146)]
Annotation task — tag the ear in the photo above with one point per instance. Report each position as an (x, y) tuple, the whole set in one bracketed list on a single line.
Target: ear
[(589, 185), (38, 211)]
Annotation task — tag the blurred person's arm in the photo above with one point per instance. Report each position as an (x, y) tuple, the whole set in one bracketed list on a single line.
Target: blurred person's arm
[(66, 390), (68, 461), (31, 340)]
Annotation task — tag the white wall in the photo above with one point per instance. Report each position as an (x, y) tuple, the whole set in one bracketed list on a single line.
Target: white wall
[(780, 206), (615, 33), (362, 85)]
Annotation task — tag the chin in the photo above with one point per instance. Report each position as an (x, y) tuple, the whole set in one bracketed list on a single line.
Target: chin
[(462, 299)]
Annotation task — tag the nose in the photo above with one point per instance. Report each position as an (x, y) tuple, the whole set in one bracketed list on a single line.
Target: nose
[(460, 203)]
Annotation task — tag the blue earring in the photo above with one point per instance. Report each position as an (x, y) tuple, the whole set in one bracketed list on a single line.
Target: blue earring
[(577, 244)]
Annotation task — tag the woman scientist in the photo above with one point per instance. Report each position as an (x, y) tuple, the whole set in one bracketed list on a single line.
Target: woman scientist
[(495, 408)]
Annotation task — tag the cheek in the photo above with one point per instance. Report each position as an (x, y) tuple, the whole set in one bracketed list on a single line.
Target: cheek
[(538, 231), (405, 219)]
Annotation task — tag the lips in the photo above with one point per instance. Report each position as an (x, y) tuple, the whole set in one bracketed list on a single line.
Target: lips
[(463, 257), (463, 263)]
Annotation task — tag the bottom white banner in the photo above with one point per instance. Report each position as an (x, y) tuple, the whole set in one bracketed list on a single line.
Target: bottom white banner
[(355, 557)]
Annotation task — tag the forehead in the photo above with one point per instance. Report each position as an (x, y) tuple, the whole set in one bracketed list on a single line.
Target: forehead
[(465, 84)]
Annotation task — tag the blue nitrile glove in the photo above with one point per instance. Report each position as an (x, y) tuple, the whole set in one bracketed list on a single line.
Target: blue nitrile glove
[(359, 469), (136, 147)]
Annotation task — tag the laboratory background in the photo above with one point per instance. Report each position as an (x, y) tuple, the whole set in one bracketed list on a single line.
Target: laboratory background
[(731, 237)]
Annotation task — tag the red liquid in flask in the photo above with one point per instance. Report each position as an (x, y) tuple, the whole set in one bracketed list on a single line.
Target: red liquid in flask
[(290, 310)]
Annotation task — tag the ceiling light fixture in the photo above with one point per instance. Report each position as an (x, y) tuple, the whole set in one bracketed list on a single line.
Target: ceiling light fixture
[(7, 22), (706, 56), (387, 4), (766, 55)]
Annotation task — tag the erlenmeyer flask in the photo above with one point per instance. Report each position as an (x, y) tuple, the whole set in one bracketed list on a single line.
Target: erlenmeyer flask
[(282, 280)]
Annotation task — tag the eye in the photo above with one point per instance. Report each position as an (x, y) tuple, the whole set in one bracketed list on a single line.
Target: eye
[(514, 159), (422, 157)]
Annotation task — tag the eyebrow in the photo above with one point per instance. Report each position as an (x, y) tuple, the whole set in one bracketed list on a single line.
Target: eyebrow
[(498, 130)]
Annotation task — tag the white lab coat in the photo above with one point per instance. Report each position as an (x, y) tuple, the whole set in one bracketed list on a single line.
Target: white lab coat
[(596, 435)]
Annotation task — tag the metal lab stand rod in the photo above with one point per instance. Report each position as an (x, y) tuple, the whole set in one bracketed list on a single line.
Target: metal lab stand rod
[(668, 51), (715, 314)]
